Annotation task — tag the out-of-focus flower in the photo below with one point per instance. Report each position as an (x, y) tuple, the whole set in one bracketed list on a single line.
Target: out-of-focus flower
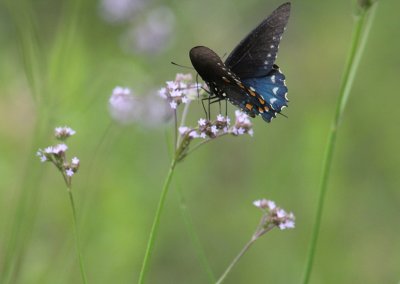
[(155, 110), (149, 110), (117, 11), (124, 106), (153, 35)]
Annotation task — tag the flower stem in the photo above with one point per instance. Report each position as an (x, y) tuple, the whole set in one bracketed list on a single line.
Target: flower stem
[(77, 240), (235, 260), (195, 147), (156, 223), (259, 232), (360, 35), (183, 121), (195, 239)]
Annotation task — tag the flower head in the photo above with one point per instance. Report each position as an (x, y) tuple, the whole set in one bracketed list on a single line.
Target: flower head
[(57, 155), (69, 172), (59, 149), (179, 91), (242, 125), (274, 215), (264, 204), (75, 161), (64, 132)]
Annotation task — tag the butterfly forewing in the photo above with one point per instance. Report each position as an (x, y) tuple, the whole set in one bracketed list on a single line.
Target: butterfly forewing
[(255, 55), (248, 79)]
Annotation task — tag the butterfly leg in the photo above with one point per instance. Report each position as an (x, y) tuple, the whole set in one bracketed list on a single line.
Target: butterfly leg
[(211, 100)]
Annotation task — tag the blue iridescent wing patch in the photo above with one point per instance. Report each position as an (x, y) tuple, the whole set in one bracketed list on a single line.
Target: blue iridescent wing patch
[(249, 79), (272, 89)]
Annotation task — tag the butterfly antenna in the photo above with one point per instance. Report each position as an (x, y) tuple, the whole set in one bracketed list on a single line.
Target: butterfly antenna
[(282, 114), (182, 66)]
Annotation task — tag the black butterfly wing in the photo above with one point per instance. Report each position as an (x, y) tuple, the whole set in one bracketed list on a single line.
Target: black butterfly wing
[(255, 55)]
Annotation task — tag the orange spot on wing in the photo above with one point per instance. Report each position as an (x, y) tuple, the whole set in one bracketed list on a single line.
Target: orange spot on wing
[(249, 106), (251, 93), (261, 101), (260, 110)]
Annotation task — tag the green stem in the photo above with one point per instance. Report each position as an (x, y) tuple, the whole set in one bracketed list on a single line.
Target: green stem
[(156, 223), (77, 240), (195, 147), (195, 239), (235, 260), (360, 35), (183, 121), (257, 234)]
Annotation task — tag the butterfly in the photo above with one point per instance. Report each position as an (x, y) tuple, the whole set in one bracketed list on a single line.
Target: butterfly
[(248, 79)]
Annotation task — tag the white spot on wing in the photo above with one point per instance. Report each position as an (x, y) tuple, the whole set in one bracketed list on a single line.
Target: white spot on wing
[(251, 88), (275, 90), (273, 100), (273, 79)]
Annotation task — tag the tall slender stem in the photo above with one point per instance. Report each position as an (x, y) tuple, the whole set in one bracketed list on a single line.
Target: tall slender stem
[(235, 260), (360, 35), (195, 239), (156, 223), (183, 120), (76, 232), (257, 234)]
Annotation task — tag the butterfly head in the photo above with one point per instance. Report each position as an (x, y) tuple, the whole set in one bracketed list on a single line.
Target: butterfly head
[(206, 62)]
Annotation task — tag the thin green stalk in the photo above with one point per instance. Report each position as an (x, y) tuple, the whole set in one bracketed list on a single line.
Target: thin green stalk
[(260, 231), (195, 240), (195, 147), (28, 195), (235, 260), (362, 28), (76, 232), (183, 120), (156, 223)]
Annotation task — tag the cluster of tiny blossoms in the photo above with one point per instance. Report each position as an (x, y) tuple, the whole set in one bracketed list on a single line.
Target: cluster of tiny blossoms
[(56, 154), (221, 126), (274, 215), (181, 90)]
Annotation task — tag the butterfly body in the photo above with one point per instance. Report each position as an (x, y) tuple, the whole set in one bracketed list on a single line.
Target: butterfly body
[(249, 79)]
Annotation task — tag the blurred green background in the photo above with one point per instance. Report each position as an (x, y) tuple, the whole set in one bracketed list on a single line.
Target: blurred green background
[(60, 60)]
